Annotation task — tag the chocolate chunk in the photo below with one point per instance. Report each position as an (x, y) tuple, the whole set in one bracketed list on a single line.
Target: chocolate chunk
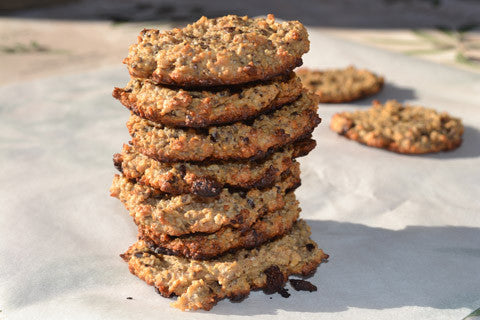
[(284, 292), (239, 297), (214, 136), (302, 285), (275, 280), (183, 170), (206, 187)]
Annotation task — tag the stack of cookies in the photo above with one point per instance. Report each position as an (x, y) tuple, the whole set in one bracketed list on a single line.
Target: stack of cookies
[(218, 119)]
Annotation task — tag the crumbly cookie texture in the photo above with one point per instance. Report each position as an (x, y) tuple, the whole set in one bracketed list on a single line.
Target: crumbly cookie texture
[(225, 50), (400, 128), (237, 141), (202, 246), (209, 179), (200, 284), (201, 108), (341, 85), (187, 213)]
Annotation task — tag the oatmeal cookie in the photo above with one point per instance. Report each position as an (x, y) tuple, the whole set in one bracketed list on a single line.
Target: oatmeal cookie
[(220, 51), (399, 128), (237, 141), (209, 179), (187, 213), (341, 85), (201, 107), (200, 284), (203, 246)]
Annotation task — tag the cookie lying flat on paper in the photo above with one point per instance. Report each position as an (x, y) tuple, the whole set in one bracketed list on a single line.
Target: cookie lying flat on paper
[(219, 51), (400, 128), (208, 106), (200, 284), (341, 85)]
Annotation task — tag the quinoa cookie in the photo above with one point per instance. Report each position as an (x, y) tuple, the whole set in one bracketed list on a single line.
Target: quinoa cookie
[(187, 213), (399, 128), (200, 284), (265, 134), (209, 179), (201, 107), (226, 50), (341, 85), (202, 246)]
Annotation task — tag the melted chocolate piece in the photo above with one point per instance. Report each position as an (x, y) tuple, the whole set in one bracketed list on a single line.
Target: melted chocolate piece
[(302, 285)]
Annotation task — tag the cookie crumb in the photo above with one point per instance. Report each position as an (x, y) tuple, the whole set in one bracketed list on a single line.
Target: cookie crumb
[(275, 281), (302, 285), (284, 292)]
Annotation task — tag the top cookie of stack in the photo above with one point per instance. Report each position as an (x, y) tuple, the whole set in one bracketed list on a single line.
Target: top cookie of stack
[(222, 51), (218, 118)]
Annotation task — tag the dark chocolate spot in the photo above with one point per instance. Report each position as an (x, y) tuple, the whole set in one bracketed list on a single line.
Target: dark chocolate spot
[(310, 246), (239, 297), (229, 29), (206, 187), (245, 139), (129, 298), (302, 285), (242, 194), (275, 280), (284, 292), (267, 179), (183, 170), (214, 136)]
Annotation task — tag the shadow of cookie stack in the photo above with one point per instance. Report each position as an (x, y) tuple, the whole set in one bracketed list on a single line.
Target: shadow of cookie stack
[(218, 119)]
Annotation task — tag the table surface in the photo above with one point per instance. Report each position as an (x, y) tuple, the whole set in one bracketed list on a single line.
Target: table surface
[(403, 231)]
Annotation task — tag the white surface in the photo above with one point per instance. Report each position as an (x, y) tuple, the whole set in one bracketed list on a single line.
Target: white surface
[(403, 231)]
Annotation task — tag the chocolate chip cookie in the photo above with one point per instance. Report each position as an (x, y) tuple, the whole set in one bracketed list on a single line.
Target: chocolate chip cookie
[(187, 213), (237, 141), (209, 179), (226, 50), (341, 85), (208, 106), (400, 128), (207, 246), (200, 284)]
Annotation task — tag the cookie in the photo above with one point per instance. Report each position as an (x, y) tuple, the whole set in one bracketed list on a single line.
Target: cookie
[(200, 284), (184, 214), (341, 85), (201, 108), (237, 141), (203, 246), (209, 179), (400, 128), (221, 51)]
